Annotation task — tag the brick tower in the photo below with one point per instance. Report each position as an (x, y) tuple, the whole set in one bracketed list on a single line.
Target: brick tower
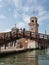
[(33, 25)]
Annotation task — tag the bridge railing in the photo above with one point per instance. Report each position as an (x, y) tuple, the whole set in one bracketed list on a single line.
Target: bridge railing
[(23, 33), (42, 36)]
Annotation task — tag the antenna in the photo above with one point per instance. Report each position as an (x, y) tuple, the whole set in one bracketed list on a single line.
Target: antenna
[(15, 25), (45, 32)]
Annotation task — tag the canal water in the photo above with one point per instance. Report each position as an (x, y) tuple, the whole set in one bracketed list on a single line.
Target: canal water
[(34, 57)]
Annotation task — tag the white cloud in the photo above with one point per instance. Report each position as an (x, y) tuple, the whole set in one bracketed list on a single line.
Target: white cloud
[(42, 13), (17, 3), (41, 10), (5, 3), (45, 17), (1, 3), (1, 6), (25, 9), (31, 1), (26, 18), (0, 0), (21, 25), (8, 1), (2, 17), (15, 15), (7, 30), (9, 9), (35, 1)]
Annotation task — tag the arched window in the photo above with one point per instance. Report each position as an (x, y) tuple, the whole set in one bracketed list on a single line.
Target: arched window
[(32, 21)]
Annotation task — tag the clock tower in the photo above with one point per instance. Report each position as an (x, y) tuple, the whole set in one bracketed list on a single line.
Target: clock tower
[(33, 25)]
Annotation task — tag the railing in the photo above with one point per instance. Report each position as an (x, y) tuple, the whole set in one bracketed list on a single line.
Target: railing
[(20, 34), (42, 36)]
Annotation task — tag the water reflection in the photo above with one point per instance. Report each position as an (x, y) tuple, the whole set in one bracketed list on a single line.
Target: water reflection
[(43, 58), (36, 57)]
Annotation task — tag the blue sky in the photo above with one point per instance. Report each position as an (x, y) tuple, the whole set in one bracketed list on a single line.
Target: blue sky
[(19, 11)]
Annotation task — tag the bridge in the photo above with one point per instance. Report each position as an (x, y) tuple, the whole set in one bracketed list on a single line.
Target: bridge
[(33, 38), (40, 38)]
